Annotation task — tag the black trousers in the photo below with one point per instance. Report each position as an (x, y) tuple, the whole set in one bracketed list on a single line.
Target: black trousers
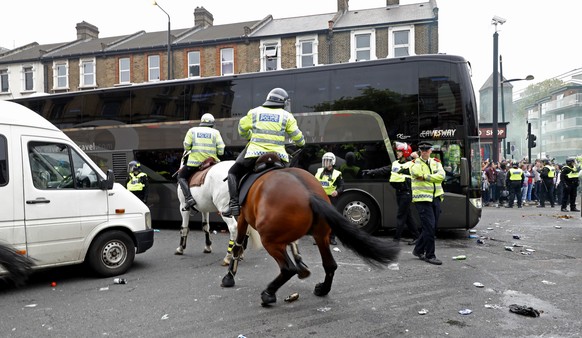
[(514, 189), (547, 192), (569, 194), (404, 215), (429, 213)]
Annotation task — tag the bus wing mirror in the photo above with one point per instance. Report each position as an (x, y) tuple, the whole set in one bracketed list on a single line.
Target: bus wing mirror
[(108, 183), (465, 174)]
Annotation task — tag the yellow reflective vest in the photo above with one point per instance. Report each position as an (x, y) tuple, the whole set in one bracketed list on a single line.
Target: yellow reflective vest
[(395, 176), (551, 171), (266, 129), (431, 187), (328, 183), (515, 174), (203, 142), (135, 182)]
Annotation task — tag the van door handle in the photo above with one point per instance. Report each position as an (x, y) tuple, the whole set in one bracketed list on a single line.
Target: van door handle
[(38, 200)]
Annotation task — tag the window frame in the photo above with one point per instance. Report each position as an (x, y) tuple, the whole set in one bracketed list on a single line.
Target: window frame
[(27, 78), (57, 76), (225, 63), (354, 49), (313, 39), (4, 81), (152, 69), (191, 64), (87, 79), (392, 46), (270, 49), (123, 71)]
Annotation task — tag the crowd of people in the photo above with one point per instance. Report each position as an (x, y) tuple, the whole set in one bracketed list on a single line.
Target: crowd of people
[(544, 182)]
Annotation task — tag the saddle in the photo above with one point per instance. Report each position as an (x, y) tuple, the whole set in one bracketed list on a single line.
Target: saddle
[(198, 178), (264, 164)]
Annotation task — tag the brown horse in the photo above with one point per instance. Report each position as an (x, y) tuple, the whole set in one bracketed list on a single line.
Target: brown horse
[(286, 204)]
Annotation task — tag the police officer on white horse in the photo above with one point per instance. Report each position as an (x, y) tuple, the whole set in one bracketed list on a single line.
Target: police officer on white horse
[(200, 143), (266, 128)]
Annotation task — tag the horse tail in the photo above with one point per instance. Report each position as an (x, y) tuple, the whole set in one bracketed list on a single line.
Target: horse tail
[(372, 250), (18, 266)]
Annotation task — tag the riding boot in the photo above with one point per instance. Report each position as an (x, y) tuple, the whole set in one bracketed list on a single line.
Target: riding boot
[(233, 190), (190, 202)]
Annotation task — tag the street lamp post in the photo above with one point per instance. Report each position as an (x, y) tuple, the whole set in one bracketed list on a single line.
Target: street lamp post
[(169, 43), (503, 82), (495, 144)]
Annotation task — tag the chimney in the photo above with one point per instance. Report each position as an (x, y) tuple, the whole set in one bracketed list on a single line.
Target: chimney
[(202, 17), (392, 3), (342, 6), (86, 31)]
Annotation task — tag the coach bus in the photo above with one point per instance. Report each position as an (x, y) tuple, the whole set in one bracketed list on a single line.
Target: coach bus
[(360, 107)]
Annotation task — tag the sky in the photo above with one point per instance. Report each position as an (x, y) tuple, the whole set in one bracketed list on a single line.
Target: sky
[(539, 38)]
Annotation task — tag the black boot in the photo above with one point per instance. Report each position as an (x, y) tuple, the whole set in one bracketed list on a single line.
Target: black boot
[(233, 191), (190, 202)]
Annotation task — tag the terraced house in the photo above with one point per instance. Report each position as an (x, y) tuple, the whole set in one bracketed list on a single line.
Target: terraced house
[(205, 50)]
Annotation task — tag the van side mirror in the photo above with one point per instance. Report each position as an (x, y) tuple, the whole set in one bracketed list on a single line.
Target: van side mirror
[(108, 183)]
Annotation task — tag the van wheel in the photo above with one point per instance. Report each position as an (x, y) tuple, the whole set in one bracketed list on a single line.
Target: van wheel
[(111, 253), (360, 210)]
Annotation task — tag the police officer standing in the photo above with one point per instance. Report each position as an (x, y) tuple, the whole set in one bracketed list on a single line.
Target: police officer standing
[(427, 175), (515, 178), (332, 182), (547, 175), (569, 177), (266, 128), (400, 181), (200, 143), (137, 181)]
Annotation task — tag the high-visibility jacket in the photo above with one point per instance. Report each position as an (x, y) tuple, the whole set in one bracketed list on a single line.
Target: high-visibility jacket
[(203, 142), (136, 182), (570, 175), (551, 173), (328, 182), (397, 168), (515, 174), (266, 129), (431, 187)]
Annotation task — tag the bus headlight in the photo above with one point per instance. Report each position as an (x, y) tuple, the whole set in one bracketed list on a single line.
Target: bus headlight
[(148, 220), (477, 202)]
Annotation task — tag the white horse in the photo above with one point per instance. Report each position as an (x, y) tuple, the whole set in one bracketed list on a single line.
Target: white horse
[(212, 196)]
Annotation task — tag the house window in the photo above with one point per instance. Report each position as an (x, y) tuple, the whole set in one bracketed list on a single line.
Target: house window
[(193, 64), (154, 68), (270, 55), (28, 79), (363, 45), (401, 41), (87, 72), (4, 81), (61, 75), (227, 61), (306, 51), (124, 70)]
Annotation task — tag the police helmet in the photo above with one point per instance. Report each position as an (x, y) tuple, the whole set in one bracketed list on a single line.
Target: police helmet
[(277, 98), (327, 159), (133, 166), (570, 161), (514, 164), (207, 120)]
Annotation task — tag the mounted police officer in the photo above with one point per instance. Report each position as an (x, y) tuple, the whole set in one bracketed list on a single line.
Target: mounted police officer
[(569, 177), (200, 143), (547, 175), (331, 180), (137, 181), (427, 175), (514, 180), (266, 128)]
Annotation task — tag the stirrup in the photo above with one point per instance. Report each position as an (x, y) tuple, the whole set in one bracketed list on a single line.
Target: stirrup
[(234, 209), (189, 204)]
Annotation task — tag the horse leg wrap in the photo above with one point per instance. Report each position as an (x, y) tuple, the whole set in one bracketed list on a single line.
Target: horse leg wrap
[(302, 269), (237, 251), (230, 246), (184, 237)]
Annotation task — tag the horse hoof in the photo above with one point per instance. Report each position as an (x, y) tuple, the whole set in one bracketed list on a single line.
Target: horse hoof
[(225, 262), (207, 251), (227, 281), (320, 290), (267, 298), (179, 251), (302, 274)]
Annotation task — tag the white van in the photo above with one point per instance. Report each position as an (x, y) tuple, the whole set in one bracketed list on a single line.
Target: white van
[(57, 206)]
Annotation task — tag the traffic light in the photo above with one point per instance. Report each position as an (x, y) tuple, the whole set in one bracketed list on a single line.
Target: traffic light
[(531, 141)]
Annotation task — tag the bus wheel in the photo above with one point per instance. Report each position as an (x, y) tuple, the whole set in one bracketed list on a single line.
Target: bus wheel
[(111, 253), (360, 210)]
